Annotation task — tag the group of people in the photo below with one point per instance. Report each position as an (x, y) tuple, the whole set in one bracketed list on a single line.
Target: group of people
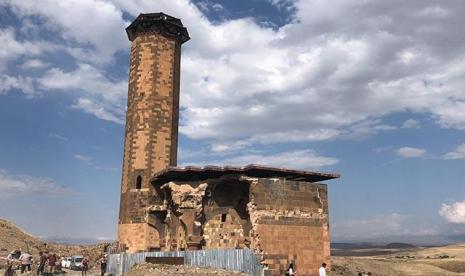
[(48, 263), (47, 260), (291, 270), (321, 272)]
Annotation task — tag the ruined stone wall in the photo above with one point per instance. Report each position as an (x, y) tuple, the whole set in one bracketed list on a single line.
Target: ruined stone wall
[(206, 214), (284, 221), (151, 134), (290, 224)]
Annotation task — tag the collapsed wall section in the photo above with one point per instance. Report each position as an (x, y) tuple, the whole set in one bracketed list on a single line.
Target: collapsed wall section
[(206, 214)]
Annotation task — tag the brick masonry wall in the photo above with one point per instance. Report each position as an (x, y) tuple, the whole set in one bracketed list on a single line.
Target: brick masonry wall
[(151, 134), (292, 224), (138, 237), (223, 231)]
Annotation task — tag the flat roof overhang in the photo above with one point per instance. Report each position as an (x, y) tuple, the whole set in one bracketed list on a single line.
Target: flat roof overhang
[(191, 173)]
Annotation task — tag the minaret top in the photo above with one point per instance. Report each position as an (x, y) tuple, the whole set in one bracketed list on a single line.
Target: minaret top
[(159, 23)]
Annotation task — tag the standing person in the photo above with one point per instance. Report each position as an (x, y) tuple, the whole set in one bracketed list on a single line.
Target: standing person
[(42, 262), (51, 261), (26, 262), (85, 266), (9, 264), (322, 270), (290, 271), (103, 265)]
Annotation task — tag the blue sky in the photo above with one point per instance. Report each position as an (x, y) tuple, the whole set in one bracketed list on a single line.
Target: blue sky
[(371, 90)]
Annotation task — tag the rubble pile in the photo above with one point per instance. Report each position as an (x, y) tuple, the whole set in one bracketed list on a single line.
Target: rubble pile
[(147, 269)]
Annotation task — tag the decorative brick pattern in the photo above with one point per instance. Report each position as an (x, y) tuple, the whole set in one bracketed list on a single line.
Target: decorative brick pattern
[(151, 134)]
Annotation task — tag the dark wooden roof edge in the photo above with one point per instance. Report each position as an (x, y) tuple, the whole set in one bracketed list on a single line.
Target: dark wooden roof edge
[(192, 173)]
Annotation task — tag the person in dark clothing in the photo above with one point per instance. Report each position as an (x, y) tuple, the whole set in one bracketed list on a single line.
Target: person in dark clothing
[(85, 266), (42, 262), (103, 265), (51, 260), (9, 263), (290, 271)]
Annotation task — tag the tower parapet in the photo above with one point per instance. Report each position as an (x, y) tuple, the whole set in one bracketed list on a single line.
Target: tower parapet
[(158, 23)]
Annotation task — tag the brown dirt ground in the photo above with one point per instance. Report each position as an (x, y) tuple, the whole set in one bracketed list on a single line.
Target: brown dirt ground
[(165, 270), (445, 260)]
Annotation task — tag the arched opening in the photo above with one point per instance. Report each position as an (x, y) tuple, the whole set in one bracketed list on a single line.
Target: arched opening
[(139, 182)]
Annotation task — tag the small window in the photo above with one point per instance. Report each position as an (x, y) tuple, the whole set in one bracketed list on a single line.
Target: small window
[(139, 182), (223, 217)]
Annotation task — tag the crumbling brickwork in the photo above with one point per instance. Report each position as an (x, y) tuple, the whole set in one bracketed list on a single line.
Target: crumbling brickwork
[(284, 221)]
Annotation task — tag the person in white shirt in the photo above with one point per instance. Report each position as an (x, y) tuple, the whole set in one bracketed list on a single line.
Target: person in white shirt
[(26, 262), (322, 269)]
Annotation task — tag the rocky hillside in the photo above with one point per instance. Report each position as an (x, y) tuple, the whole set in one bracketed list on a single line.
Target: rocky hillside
[(14, 238)]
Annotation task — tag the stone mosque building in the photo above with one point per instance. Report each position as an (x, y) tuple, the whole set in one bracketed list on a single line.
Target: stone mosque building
[(281, 214)]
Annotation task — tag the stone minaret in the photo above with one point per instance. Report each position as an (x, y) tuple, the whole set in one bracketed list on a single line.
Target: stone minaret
[(151, 136)]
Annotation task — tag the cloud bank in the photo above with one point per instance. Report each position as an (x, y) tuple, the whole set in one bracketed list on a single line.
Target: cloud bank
[(11, 186)]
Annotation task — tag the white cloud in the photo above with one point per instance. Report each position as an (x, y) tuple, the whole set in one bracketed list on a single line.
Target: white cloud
[(82, 157), (102, 97), (322, 76), (299, 159), (93, 23), (382, 149), (29, 185), (13, 48), (453, 213), (98, 110), (393, 224), (410, 152), (34, 64), (457, 153), (57, 136), (23, 84), (207, 6), (411, 123)]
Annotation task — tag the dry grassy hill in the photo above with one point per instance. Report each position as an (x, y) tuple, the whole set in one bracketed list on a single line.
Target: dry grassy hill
[(14, 238), (444, 260)]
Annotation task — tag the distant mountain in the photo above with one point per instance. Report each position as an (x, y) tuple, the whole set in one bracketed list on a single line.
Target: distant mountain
[(76, 241), (353, 246), (399, 245), (416, 240)]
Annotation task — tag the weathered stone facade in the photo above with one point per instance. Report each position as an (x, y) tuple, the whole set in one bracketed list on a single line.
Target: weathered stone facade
[(280, 214), (265, 209), (151, 134)]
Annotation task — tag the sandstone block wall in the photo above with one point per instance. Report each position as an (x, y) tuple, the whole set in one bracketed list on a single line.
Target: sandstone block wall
[(151, 134), (291, 224), (283, 221)]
